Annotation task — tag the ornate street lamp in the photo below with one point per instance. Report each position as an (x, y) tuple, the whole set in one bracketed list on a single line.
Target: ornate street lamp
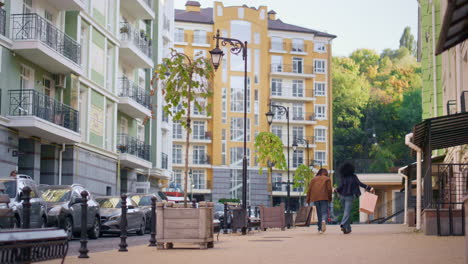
[(237, 47)]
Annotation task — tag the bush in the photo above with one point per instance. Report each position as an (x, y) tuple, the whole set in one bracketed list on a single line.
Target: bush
[(229, 200)]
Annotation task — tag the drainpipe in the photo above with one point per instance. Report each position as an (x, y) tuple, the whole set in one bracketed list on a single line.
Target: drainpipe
[(400, 172), (434, 65), (60, 164), (418, 178)]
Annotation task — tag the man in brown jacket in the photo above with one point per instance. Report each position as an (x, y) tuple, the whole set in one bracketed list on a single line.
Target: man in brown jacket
[(320, 192)]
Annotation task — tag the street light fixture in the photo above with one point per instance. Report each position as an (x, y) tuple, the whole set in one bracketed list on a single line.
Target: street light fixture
[(282, 110), (237, 46)]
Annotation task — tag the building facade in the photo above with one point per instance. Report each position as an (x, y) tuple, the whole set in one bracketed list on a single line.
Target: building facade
[(287, 65), (76, 101)]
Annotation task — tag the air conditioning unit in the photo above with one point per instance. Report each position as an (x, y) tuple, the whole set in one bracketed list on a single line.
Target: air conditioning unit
[(59, 80)]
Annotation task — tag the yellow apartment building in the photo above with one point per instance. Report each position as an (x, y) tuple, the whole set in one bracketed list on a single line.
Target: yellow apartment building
[(288, 65)]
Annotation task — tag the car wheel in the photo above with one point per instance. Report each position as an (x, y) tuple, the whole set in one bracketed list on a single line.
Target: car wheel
[(141, 231), (43, 222), (16, 222), (68, 227), (95, 230)]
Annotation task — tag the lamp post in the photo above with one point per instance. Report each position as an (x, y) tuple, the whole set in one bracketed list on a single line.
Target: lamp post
[(237, 46), (282, 110)]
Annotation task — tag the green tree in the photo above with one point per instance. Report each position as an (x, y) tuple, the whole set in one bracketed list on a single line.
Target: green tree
[(302, 177), (407, 40), (185, 82), (365, 58)]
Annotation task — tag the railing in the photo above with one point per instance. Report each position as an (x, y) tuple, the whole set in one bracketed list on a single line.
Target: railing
[(129, 33), (278, 46), (292, 92), (130, 89), (298, 48), (296, 116), (292, 68), (2, 22), (34, 103), (180, 37), (34, 27), (201, 39), (133, 146), (164, 160), (202, 159)]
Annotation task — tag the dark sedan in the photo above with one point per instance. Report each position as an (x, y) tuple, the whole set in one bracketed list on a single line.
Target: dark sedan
[(111, 213), (144, 202)]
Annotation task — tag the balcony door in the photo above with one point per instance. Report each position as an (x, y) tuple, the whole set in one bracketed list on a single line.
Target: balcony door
[(46, 106), (298, 65)]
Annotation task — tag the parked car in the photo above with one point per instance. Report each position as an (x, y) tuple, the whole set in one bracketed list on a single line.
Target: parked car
[(143, 200), (111, 213), (13, 187), (218, 214), (7, 216), (64, 209)]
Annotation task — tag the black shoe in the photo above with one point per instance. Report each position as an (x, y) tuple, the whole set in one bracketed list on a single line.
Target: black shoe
[(342, 229), (347, 231)]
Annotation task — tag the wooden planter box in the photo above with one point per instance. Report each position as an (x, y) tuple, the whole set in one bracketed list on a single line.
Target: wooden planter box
[(272, 217), (176, 224)]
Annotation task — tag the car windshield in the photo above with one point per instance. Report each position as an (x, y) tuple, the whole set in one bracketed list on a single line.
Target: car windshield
[(8, 187), (142, 200), (56, 195), (219, 207), (109, 202)]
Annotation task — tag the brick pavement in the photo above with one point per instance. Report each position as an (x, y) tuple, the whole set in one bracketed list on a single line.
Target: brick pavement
[(367, 244)]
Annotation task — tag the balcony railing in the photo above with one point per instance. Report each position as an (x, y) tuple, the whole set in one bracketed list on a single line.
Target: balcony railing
[(201, 159), (164, 160), (2, 22), (298, 48), (201, 39), (292, 68), (34, 103), (129, 33), (130, 89), (297, 116), (133, 146), (34, 27), (277, 46), (292, 92), (180, 37)]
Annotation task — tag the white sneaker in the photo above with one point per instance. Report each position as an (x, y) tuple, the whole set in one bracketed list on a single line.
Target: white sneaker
[(320, 232), (324, 226)]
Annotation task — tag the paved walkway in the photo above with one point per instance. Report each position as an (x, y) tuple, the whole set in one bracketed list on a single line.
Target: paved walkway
[(367, 244)]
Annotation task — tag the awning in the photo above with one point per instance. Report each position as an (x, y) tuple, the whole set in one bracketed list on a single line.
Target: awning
[(455, 26), (442, 132)]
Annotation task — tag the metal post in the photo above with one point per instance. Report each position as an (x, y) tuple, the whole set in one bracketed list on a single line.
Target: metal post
[(244, 160), (84, 217), (225, 220), (194, 203), (153, 223), (288, 184), (26, 206), (123, 225)]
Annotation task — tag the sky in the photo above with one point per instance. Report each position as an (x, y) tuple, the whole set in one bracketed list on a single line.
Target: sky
[(372, 24)]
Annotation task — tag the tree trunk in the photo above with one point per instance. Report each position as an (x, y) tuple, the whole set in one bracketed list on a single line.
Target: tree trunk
[(270, 185), (187, 141)]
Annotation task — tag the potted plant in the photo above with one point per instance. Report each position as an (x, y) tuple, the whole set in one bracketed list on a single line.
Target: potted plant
[(124, 29)]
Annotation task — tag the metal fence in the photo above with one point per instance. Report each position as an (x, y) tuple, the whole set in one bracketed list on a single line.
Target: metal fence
[(34, 27), (130, 89), (34, 103), (2, 22), (292, 68), (139, 38), (133, 146), (292, 92), (201, 159)]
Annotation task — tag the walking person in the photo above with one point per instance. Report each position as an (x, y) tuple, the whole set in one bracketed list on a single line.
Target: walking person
[(320, 192), (348, 191)]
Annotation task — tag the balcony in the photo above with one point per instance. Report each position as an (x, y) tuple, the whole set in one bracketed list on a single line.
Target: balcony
[(298, 49), (69, 5), (195, 138), (195, 161), (292, 70), (2, 22), (293, 94), (37, 114), (141, 9), (39, 41), (133, 99), (134, 48), (277, 47), (305, 118), (133, 152)]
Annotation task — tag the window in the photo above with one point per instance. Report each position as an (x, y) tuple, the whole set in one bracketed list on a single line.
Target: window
[(109, 67), (47, 85), (123, 125), (176, 130), (27, 6), (179, 35), (276, 63), (199, 37), (276, 87), (177, 154), (320, 47), (236, 184), (224, 105), (140, 132), (320, 89), (198, 179), (320, 66), (298, 45), (320, 112), (276, 43), (256, 65), (320, 134), (237, 94), (321, 157), (26, 78), (297, 132), (297, 65), (177, 178), (237, 154), (223, 146), (298, 112), (237, 129), (202, 103), (298, 88), (298, 158), (199, 155), (198, 130), (276, 179), (277, 130)]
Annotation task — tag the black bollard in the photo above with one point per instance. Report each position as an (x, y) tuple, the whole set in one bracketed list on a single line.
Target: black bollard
[(194, 203), (248, 217), (153, 223), (26, 206), (84, 217), (123, 225), (256, 211), (225, 220)]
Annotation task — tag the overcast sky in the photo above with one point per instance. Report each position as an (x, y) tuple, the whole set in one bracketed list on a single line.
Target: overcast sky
[(373, 24)]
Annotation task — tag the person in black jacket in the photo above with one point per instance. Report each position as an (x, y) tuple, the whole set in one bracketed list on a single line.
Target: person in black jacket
[(348, 191)]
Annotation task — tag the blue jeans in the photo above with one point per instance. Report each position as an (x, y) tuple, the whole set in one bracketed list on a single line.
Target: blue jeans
[(322, 212), (348, 205)]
